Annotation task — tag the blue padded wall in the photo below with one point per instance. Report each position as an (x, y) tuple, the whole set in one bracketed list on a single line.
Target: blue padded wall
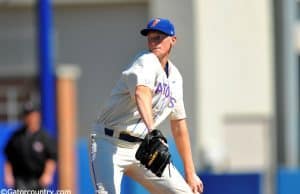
[(243, 183), (84, 181), (288, 181), (6, 130)]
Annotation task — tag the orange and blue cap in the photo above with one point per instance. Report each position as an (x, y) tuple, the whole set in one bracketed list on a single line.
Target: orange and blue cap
[(161, 25)]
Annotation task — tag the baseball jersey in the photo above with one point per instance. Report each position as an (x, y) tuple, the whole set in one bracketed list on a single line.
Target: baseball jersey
[(121, 112)]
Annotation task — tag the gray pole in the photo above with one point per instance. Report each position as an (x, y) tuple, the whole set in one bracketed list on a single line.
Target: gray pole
[(287, 83)]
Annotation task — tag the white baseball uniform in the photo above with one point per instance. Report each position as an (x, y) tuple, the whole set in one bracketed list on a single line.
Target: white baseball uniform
[(111, 157)]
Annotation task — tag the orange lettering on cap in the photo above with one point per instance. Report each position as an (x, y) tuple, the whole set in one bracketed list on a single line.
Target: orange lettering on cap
[(155, 22)]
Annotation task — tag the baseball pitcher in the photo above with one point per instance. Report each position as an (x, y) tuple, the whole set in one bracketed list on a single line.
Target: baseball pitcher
[(125, 138)]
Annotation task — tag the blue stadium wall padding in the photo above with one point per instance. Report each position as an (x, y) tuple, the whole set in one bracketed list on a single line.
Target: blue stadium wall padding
[(6, 130), (241, 183), (288, 181), (84, 181)]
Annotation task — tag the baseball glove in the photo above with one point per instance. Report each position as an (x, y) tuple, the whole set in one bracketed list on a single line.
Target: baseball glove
[(154, 153)]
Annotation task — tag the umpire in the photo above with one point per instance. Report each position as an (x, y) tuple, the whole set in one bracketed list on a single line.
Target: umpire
[(31, 154)]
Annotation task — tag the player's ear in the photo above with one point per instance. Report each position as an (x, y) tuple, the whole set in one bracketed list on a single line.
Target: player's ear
[(173, 40)]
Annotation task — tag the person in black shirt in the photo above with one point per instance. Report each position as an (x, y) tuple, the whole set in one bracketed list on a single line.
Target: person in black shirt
[(31, 154)]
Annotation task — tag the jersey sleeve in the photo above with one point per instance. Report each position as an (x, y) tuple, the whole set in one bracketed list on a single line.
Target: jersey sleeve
[(178, 111), (142, 72)]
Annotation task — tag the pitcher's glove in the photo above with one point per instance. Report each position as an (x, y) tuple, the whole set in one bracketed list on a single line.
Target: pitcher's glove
[(154, 153)]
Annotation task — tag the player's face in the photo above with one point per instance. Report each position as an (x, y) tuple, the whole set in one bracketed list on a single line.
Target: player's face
[(159, 43)]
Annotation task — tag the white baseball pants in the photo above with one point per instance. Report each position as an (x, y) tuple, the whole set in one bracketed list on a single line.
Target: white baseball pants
[(110, 158)]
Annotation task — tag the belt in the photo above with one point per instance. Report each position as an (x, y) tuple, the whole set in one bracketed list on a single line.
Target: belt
[(123, 136)]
